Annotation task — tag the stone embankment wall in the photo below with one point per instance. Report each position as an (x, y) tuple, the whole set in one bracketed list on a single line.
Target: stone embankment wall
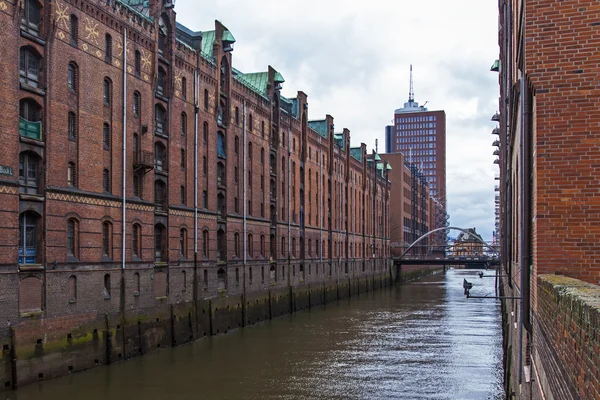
[(45, 347)]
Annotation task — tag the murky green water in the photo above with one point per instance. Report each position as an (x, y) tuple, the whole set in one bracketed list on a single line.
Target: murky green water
[(418, 341)]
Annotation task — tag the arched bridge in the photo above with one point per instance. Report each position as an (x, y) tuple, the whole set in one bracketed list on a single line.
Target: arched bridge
[(482, 260)]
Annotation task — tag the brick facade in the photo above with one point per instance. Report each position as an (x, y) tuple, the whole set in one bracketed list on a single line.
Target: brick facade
[(548, 199), (281, 201)]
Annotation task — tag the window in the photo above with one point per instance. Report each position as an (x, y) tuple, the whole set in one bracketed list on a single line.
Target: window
[(250, 123), (72, 243), (262, 245), (205, 132), (161, 82), (160, 156), (162, 35), (183, 160), (137, 185), (28, 237), (28, 173), (250, 152), (283, 246), (205, 101), (106, 181), (236, 146), (72, 77), (204, 165), (262, 129), (107, 287), (220, 174), (236, 244), (74, 30), (183, 243), (159, 243), (250, 245), (182, 194), (29, 69), (31, 17), (72, 289), (262, 155), (136, 104), (106, 136), (72, 125), (137, 63), (160, 120), (183, 88), (237, 115), (221, 145), (71, 174), (160, 194), (136, 240), (106, 240), (107, 92), (205, 244), (183, 123), (205, 199), (205, 278), (108, 55)]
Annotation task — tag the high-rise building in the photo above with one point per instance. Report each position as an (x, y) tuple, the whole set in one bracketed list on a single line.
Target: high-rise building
[(420, 135)]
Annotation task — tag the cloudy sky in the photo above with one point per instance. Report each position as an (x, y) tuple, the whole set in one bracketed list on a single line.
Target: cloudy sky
[(352, 59)]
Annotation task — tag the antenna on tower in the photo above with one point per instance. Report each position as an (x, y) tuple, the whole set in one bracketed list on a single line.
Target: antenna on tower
[(411, 93)]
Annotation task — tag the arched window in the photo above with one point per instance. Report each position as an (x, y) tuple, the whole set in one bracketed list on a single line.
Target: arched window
[(183, 123), (71, 174), (161, 82), (160, 195), (221, 210), (106, 180), (31, 17), (107, 93), (72, 238), (106, 136), (250, 123), (221, 245), (283, 249), (221, 174), (182, 159), (137, 104), (221, 145), (28, 237), (204, 165), (262, 155), (29, 165), (160, 157), (136, 241), (72, 125), (30, 66), (206, 101), (163, 32), (107, 240), (236, 144), (74, 22), (205, 132), (250, 245), (272, 274), (237, 115), (137, 62), (294, 247), (30, 110), (222, 112), (205, 239), (184, 88), (183, 243), (160, 120), (160, 253), (236, 244), (250, 152), (108, 45), (72, 77), (262, 129), (222, 279), (224, 78)]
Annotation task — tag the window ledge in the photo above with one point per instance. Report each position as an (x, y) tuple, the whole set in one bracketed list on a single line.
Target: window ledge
[(161, 298), (32, 89), (31, 141), (161, 135), (32, 37), (31, 197), (162, 97), (31, 314), (31, 267)]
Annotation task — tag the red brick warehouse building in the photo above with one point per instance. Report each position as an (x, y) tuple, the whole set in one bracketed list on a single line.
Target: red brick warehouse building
[(114, 109)]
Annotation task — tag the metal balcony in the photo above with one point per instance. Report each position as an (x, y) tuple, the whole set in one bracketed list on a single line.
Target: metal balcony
[(32, 130), (143, 160)]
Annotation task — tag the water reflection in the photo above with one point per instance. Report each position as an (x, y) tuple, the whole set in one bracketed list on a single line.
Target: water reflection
[(418, 341)]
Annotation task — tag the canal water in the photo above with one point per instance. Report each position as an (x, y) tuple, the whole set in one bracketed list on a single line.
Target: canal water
[(422, 340)]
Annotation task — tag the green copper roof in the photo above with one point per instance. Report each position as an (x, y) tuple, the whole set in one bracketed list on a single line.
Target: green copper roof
[(377, 158), (140, 7), (208, 38), (278, 78), (356, 153), (319, 126), (389, 167), (227, 37), (338, 139), (495, 66), (256, 81)]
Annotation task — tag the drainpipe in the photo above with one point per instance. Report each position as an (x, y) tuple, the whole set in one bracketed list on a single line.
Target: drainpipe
[(289, 193), (196, 110), (124, 192), (244, 189), (320, 161)]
